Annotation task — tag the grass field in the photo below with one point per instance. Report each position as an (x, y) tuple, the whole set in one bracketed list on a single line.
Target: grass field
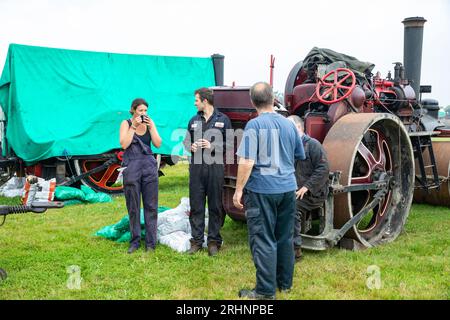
[(37, 250)]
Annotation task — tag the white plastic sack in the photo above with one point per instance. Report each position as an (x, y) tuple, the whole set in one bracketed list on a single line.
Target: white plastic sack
[(41, 191), (182, 211), (13, 187), (174, 223), (179, 241), (174, 229)]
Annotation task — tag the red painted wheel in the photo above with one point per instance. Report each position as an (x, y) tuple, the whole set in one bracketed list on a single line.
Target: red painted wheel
[(104, 180), (331, 87)]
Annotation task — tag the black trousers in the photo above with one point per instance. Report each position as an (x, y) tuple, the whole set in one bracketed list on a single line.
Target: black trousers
[(206, 182), (270, 222), (304, 207)]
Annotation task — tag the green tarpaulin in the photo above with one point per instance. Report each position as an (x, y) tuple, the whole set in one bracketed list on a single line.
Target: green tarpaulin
[(120, 232), (67, 102)]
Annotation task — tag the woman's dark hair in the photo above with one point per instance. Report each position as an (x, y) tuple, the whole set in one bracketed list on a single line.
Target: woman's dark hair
[(205, 93), (136, 103)]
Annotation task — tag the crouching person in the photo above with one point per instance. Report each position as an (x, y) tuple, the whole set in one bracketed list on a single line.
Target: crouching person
[(312, 180)]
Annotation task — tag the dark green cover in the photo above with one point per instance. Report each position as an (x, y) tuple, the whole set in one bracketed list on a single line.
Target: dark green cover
[(328, 56)]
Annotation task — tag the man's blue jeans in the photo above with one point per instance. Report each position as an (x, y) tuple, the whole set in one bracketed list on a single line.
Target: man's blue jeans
[(270, 222)]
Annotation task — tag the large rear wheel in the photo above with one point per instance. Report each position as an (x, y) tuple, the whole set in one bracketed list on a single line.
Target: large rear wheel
[(367, 148)]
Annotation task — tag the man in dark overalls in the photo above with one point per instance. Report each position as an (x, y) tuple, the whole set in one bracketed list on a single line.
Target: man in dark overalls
[(206, 140), (312, 180)]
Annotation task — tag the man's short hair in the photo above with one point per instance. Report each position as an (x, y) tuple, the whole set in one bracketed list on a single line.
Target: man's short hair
[(297, 120), (205, 93), (261, 94)]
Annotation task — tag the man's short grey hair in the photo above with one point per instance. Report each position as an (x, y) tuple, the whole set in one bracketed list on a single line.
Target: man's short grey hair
[(297, 120), (261, 94)]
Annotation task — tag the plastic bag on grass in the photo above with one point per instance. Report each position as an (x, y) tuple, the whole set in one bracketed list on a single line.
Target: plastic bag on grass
[(38, 189), (69, 193), (182, 211), (120, 231), (179, 241), (95, 197), (13, 187), (174, 223)]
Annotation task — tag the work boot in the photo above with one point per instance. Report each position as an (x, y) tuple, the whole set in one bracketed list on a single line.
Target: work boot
[(149, 249), (213, 249), (298, 253), (195, 247), (251, 294), (132, 249), (284, 290)]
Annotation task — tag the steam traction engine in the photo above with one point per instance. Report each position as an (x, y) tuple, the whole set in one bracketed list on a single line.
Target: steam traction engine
[(377, 133)]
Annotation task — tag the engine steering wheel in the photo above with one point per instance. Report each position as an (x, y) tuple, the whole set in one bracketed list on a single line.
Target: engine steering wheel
[(330, 89)]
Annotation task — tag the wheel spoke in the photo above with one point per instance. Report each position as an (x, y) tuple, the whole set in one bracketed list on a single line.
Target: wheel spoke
[(384, 204), (343, 79), (326, 93), (344, 87), (368, 156), (107, 175), (102, 180), (333, 76)]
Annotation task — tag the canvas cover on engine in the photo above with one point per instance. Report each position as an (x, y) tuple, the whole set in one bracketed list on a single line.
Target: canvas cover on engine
[(61, 102), (319, 56)]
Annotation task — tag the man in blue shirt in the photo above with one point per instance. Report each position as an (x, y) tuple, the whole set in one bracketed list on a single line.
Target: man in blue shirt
[(267, 153)]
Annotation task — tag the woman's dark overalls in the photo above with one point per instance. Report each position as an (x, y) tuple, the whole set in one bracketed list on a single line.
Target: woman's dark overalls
[(141, 177)]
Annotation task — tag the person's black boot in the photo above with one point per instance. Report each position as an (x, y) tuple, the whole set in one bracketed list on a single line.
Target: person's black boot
[(132, 249), (251, 294), (298, 253)]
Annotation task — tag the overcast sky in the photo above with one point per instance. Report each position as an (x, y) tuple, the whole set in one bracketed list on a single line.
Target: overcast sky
[(246, 32)]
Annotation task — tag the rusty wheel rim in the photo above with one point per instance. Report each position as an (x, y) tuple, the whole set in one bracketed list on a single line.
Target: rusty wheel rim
[(363, 147)]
